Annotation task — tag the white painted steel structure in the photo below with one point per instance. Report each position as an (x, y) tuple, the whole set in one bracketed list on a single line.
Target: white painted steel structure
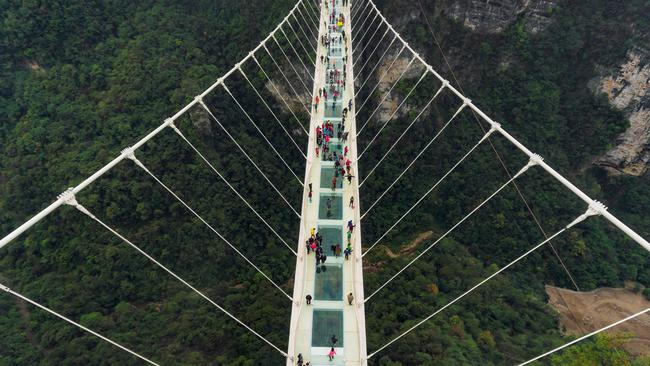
[(353, 350)]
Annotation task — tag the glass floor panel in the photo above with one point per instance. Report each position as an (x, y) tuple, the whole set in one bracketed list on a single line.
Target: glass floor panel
[(326, 174), (326, 324), (331, 206), (336, 52), (335, 63), (332, 235), (329, 283), (336, 111), (333, 147)]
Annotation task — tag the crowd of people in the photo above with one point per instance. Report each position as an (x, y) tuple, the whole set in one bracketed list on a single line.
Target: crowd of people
[(335, 63)]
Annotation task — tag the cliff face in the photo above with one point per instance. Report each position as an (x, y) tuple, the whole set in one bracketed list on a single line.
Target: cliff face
[(389, 75), (493, 16), (628, 90)]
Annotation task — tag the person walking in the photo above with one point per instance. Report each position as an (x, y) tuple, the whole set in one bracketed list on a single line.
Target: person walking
[(351, 202), (308, 299), (350, 298), (331, 354), (348, 251), (309, 195), (333, 340), (350, 226), (334, 182)]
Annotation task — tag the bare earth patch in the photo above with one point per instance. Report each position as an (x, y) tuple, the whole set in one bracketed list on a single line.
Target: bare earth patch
[(595, 309)]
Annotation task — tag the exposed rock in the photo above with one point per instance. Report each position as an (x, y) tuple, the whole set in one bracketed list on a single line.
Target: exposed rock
[(493, 16), (388, 76), (282, 93), (202, 121), (584, 312), (628, 91)]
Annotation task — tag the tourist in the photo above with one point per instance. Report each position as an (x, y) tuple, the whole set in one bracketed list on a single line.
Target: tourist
[(331, 354), (350, 298), (308, 298)]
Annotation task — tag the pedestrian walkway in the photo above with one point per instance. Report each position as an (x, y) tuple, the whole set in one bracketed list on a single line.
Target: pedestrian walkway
[(330, 321)]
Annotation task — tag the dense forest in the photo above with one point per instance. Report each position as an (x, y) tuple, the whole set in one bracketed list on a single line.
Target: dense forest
[(81, 80)]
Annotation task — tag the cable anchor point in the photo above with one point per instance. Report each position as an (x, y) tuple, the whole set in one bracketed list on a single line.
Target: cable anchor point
[(596, 208), (535, 159), (129, 153), (68, 197)]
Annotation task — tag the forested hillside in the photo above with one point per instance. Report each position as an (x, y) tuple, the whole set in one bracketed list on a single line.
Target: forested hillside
[(537, 85), (81, 80)]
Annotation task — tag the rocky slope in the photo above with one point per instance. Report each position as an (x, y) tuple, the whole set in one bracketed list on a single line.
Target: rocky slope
[(490, 16), (628, 89)]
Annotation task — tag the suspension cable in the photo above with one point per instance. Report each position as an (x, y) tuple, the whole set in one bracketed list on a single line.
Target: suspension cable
[(261, 133), (299, 77), (306, 25), (360, 71), (354, 37), (354, 50), (277, 91), (286, 37), (590, 212), (385, 95), (302, 29), (307, 20), (187, 141), (587, 336), (379, 61), (496, 152), (248, 157), (504, 185), (72, 201), (301, 44), (424, 74), (381, 78), (354, 64), (43, 307), (435, 137), (131, 155), (314, 12), (404, 133), (360, 9), (286, 79), (272, 113)]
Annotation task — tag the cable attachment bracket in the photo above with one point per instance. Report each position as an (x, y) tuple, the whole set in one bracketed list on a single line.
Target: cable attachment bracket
[(596, 208), (69, 198), (535, 159), (129, 153)]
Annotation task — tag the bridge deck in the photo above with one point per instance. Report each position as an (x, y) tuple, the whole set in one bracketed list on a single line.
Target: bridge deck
[(312, 326)]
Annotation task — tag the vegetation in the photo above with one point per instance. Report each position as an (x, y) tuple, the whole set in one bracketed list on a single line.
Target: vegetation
[(80, 80), (537, 86)]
